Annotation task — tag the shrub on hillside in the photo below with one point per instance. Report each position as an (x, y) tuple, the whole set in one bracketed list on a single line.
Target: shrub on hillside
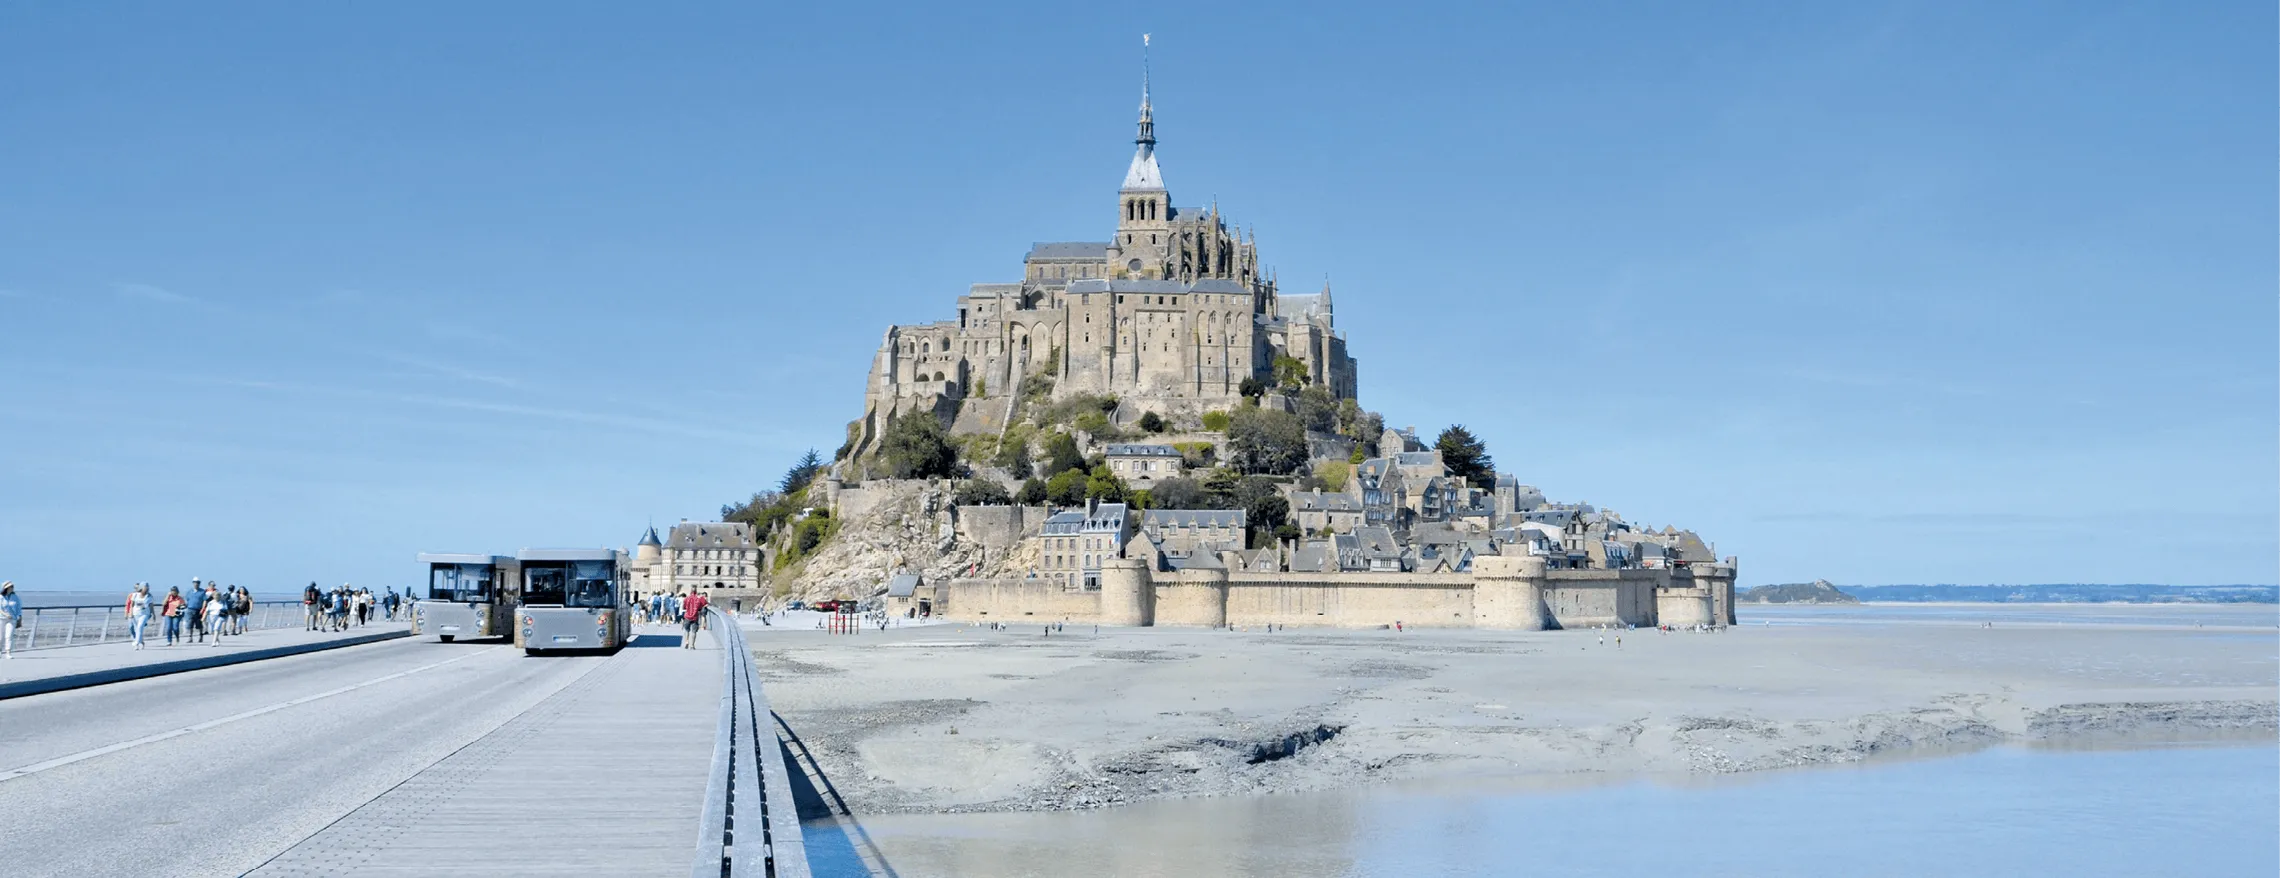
[(981, 492)]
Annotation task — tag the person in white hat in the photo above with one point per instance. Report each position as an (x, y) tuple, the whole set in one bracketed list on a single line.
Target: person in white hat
[(11, 609)]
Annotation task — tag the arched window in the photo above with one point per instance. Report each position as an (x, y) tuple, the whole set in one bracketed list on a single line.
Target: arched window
[(937, 376)]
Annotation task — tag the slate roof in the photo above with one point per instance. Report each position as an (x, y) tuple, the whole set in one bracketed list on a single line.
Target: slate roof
[(1106, 518), (650, 538), (902, 585), (1064, 523), (1314, 557), (712, 535), (1323, 501), (1125, 450), (1129, 285), (1087, 250), (1197, 561)]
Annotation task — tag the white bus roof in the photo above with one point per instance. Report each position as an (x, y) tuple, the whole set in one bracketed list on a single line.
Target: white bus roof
[(453, 558), (567, 555)]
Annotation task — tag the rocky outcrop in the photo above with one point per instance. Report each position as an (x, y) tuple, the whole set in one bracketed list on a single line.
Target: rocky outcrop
[(907, 526)]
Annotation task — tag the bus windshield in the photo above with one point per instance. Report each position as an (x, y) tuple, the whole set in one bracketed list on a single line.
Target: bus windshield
[(545, 585), (591, 584), (464, 583)]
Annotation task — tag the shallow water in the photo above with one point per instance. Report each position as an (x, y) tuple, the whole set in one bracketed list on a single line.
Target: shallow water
[(2200, 811), (2254, 616)]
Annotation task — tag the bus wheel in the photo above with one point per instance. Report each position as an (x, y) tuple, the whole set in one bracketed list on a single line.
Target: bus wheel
[(531, 652), (446, 638)]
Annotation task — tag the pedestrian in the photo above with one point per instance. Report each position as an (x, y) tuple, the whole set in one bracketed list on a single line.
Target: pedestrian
[(11, 609), (197, 610), (171, 611), (214, 607), (138, 612), (692, 610), (241, 607), (312, 604)]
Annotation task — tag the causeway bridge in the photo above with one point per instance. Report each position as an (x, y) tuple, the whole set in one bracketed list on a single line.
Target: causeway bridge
[(285, 752)]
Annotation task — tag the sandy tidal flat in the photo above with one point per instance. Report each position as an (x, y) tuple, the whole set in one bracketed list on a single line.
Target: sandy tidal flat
[(964, 718)]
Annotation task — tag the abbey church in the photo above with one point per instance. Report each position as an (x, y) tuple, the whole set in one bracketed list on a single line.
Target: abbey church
[(1170, 315)]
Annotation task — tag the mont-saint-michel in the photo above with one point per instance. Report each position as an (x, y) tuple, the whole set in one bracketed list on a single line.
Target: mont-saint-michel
[(1148, 430)]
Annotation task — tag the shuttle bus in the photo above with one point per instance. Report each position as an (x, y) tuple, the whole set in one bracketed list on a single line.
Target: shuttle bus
[(573, 599), (468, 596)]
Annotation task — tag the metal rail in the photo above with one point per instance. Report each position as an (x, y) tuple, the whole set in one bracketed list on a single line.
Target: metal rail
[(750, 827), (50, 627)]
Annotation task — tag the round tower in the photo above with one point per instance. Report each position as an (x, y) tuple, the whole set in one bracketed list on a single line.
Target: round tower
[(650, 550), (1508, 592), (1127, 597)]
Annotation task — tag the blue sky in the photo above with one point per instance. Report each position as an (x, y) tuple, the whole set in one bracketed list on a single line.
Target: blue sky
[(1910, 292)]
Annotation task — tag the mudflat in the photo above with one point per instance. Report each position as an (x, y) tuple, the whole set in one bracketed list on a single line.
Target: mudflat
[(957, 717)]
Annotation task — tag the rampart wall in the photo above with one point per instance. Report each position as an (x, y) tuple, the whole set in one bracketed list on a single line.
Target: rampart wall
[(1511, 593)]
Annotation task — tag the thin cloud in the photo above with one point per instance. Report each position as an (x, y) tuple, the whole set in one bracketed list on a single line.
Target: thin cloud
[(148, 293), (449, 370)]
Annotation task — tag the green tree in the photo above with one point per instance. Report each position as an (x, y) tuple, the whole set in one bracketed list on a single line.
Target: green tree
[(916, 447), (1466, 456), (1142, 499), (980, 492), (1318, 409), (1152, 422), (1104, 486), (1032, 492), (1264, 440), (1290, 372), (1252, 387), (1066, 488), (1215, 421), (1360, 454), (1061, 454), (801, 473), (1334, 474), (1222, 489), (1267, 514), (1176, 493)]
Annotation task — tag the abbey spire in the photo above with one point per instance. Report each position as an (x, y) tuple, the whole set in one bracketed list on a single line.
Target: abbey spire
[(1144, 175)]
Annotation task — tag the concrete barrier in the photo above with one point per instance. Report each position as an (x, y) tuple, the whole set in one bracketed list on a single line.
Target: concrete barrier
[(85, 679)]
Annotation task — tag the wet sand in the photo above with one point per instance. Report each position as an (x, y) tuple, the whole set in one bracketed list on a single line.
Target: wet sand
[(963, 718)]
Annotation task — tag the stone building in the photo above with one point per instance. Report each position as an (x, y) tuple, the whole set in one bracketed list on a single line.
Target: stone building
[(1182, 533), (713, 556), (1170, 314), (1143, 465)]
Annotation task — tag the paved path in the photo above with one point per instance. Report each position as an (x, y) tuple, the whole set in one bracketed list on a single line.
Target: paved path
[(275, 764), (605, 777), (38, 670)]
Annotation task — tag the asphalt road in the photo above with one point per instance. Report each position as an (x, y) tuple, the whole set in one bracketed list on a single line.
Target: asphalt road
[(213, 772)]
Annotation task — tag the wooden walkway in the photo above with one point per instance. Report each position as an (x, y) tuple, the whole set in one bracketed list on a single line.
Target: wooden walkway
[(607, 777)]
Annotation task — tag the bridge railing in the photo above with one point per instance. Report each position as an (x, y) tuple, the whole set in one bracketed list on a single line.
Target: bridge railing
[(50, 627), (750, 827)]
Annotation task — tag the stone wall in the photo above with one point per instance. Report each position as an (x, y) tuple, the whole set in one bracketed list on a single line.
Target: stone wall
[(1196, 598), (1010, 600), (1000, 527), (1589, 598), (1505, 592), (1350, 600)]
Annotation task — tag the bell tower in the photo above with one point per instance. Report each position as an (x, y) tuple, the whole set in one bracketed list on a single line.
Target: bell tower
[(1143, 205)]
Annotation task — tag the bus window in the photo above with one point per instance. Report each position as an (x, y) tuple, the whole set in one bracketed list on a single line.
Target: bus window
[(590, 585), (464, 583), (545, 585)]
